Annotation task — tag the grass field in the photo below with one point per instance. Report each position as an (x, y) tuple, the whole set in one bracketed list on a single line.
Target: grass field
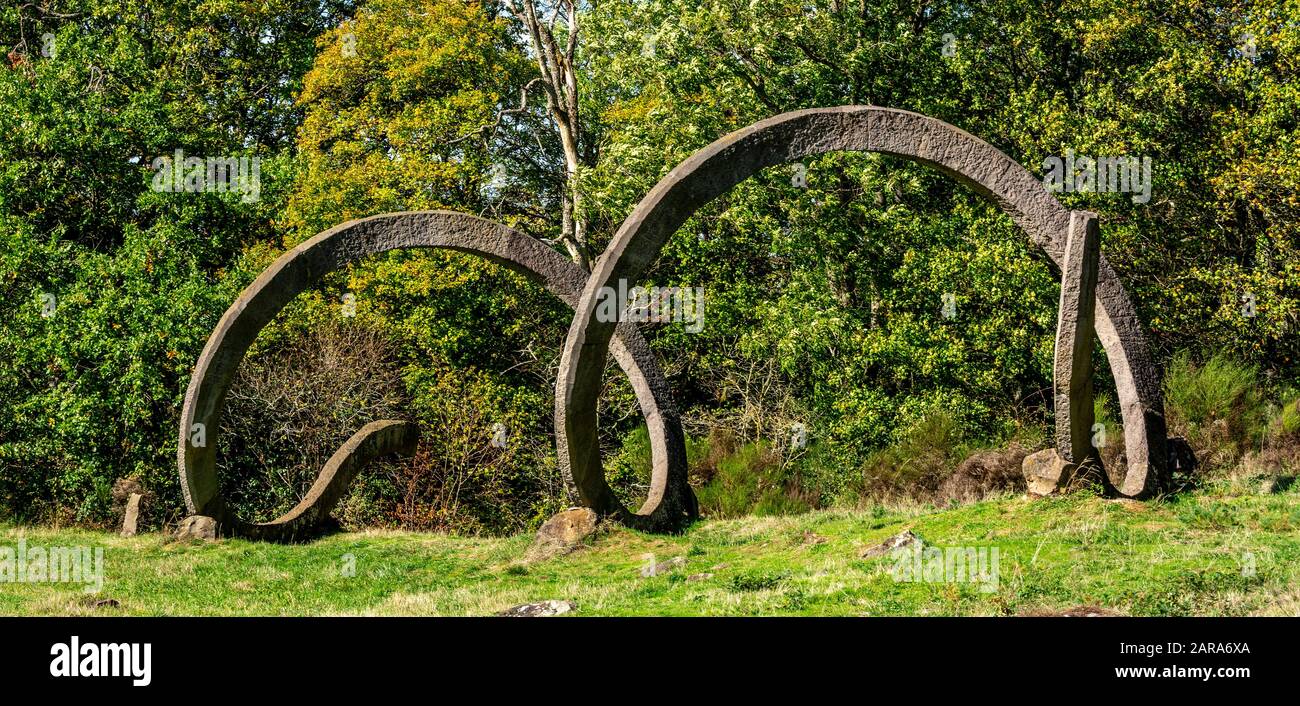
[(1233, 549)]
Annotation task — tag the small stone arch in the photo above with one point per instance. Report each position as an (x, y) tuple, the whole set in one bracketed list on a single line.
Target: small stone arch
[(717, 168)]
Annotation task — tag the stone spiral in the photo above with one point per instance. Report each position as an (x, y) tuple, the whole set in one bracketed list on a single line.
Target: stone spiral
[(707, 174)]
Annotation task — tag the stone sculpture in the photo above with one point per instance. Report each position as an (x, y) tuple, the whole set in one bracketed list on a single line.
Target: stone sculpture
[(792, 136), (1069, 239), (670, 502)]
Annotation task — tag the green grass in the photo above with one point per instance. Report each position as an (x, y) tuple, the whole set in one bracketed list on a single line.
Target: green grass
[(1179, 556)]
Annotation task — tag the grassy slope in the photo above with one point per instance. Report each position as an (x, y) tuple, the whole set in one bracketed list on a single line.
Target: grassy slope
[(1178, 556)]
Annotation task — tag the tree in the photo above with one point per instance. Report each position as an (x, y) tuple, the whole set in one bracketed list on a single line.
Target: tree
[(554, 43)]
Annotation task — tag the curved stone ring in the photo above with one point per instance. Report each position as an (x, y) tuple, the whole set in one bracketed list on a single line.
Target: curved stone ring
[(670, 502), (792, 136)]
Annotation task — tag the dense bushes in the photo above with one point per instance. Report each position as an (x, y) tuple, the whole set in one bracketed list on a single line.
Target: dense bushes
[(826, 297), (91, 379), (1217, 404), (290, 409), (1234, 420)]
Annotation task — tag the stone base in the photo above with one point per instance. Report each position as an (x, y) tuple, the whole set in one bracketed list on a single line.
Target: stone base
[(197, 527), (563, 533), (1046, 472)]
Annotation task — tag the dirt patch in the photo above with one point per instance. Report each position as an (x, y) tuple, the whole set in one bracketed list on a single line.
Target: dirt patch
[(1079, 611)]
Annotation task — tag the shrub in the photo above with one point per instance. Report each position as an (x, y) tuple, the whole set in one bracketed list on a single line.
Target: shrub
[(290, 408), (1279, 453), (984, 473), (752, 479), (318, 379), (628, 471), (1284, 427), (1216, 405), (1110, 439), (916, 465)]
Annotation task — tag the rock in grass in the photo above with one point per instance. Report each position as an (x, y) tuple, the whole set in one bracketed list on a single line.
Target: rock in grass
[(540, 609), (131, 520), (562, 534), (811, 538), (699, 577), (898, 541), (197, 527), (1045, 472), (664, 567)]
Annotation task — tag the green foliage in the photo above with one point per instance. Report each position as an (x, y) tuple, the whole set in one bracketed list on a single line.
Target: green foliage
[(849, 300), (1217, 404), (1288, 420), (92, 390), (916, 463), (392, 107), (628, 471), (825, 303), (750, 479), (395, 127)]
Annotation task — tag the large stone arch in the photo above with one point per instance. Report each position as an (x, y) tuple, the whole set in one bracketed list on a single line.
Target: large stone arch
[(670, 500), (796, 135)]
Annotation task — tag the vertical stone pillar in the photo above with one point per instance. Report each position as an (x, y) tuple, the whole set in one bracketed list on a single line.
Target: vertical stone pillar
[(1072, 369), (131, 520)]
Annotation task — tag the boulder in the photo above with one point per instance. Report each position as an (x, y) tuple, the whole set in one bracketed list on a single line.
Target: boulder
[(563, 533), (1045, 472), (898, 541), (197, 527)]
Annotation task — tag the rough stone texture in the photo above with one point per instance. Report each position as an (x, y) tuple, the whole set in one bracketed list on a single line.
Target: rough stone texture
[(197, 527), (131, 520), (1072, 370), (374, 440), (541, 609), (792, 136), (563, 533), (670, 503), (903, 539), (1046, 472)]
